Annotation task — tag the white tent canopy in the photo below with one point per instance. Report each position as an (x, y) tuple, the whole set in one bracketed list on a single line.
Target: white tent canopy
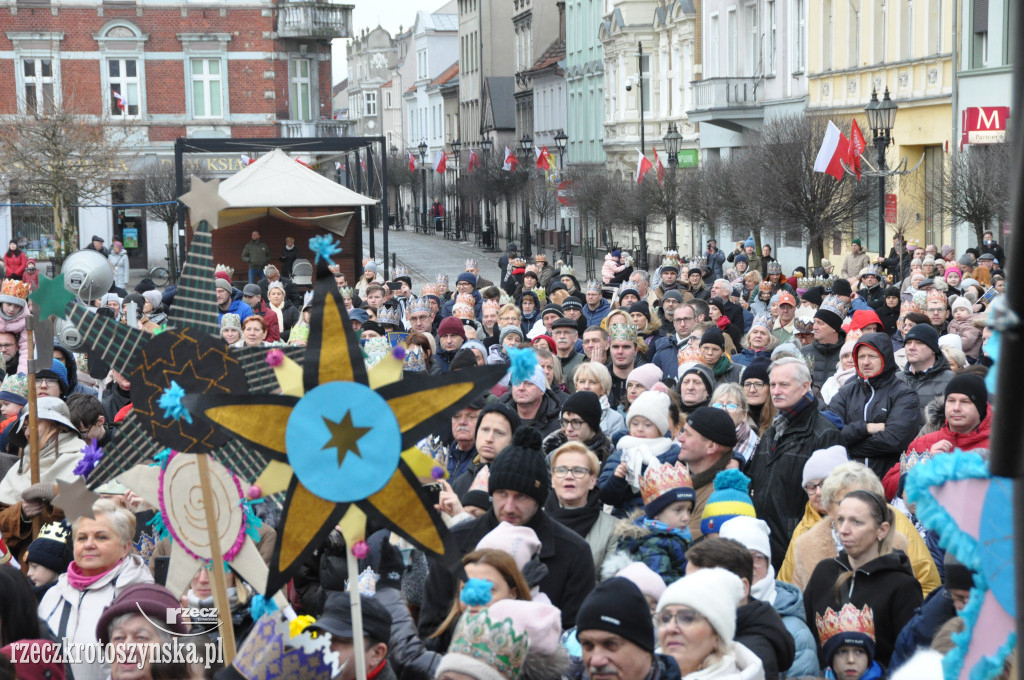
[(275, 183)]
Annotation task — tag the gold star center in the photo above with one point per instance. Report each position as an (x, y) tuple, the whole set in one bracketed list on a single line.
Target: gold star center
[(345, 437)]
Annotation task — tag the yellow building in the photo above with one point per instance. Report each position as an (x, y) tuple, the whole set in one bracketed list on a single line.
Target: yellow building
[(855, 46)]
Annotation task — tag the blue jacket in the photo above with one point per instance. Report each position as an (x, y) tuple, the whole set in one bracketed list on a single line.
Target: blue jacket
[(595, 316), (616, 492), (238, 307), (920, 630), (789, 604)]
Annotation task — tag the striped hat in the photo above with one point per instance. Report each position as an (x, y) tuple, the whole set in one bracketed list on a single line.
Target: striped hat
[(731, 498)]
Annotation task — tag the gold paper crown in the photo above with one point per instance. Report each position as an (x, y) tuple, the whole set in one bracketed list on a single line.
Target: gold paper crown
[(230, 271), (464, 299), (494, 643), (660, 479), (15, 289), (55, 531), (622, 331), (848, 620)]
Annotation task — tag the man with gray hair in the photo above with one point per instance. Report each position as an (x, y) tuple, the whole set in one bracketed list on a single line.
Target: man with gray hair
[(642, 280), (721, 288), (776, 468)]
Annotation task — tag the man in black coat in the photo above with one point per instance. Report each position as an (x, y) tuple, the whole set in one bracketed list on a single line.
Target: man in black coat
[(519, 486)]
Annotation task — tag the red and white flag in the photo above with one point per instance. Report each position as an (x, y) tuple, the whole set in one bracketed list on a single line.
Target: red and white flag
[(834, 151), (412, 162), (120, 100), (362, 164), (511, 162), (440, 162), (643, 166), (302, 162), (474, 161), (661, 168), (857, 146), (247, 160), (544, 160)]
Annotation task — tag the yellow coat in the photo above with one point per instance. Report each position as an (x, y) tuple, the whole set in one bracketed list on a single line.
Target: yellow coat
[(797, 569)]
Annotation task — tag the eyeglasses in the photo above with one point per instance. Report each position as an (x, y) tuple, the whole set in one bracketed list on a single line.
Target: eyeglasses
[(754, 385), (813, 486), (731, 408), (8, 345), (683, 618), (576, 472), (956, 598), (45, 382), (572, 423)]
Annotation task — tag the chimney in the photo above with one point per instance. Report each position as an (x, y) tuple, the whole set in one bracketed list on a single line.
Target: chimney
[(561, 19)]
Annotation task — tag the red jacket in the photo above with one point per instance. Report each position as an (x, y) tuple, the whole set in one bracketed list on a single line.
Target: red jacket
[(14, 265)]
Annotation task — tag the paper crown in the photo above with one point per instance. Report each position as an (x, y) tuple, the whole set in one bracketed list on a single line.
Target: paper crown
[(774, 268), (494, 643), (871, 270), (346, 291), (388, 316), (593, 286), (622, 331), (376, 349), (567, 270), (271, 653), (804, 324), (367, 582), (697, 263), (688, 354), (14, 291), (661, 479), (506, 299), (518, 262), (414, 360), (472, 265), (481, 481), (909, 459), (442, 280), (491, 304), (936, 296), (531, 269), (400, 271), (628, 287), (428, 289), (464, 299), (230, 271), (298, 334), (17, 384), (460, 310), (764, 320), (55, 531), (836, 305), (848, 620), (418, 306), (670, 260)]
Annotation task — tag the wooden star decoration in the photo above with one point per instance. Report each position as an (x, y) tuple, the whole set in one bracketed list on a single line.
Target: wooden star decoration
[(75, 499), (52, 297), (204, 202)]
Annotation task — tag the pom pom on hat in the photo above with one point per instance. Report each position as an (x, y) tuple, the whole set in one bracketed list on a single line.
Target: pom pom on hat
[(731, 498)]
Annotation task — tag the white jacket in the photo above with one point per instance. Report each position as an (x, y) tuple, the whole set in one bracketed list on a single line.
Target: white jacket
[(86, 606), (119, 263), (739, 663), (55, 460)]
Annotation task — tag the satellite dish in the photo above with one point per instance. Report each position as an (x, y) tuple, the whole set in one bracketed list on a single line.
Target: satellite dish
[(87, 274)]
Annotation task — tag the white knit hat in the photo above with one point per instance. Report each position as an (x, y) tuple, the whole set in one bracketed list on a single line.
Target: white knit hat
[(713, 593), (153, 297), (652, 405), (823, 461), (750, 531), (962, 301), (951, 340)]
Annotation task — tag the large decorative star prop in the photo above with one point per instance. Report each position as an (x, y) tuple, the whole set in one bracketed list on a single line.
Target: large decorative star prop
[(52, 297), (295, 430), (203, 201), (74, 498), (973, 514)]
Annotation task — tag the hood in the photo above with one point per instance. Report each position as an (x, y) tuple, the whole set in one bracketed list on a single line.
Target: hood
[(864, 317), (881, 343), (70, 363), (789, 601), (894, 561), (759, 620)]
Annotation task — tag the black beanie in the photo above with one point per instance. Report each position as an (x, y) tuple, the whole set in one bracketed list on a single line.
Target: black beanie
[(972, 386), (925, 333), (713, 336), (503, 410), (51, 549), (831, 318), (842, 287), (587, 406), (521, 467), (814, 295), (958, 576), (617, 606), (714, 424), (757, 369), (641, 307)]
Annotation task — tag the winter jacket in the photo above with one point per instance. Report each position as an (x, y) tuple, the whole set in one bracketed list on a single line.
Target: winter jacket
[(978, 438), (818, 543), (853, 264), (823, 359), (936, 610), (119, 263), (970, 335), (930, 383), (84, 608), (874, 296), (412, 660), (776, 470), (546, 420), (759, 628), (886, 584), (256, 254), (663, 667), (14, 264), (667, 356), (287, 259), (238, 307), (789, 604), (745, 356), (610, 268), (595, 316), (16, 326), (616, 491), (726, 371), (810, 518), (715, 261), (600, 444), (881, 399), (569, 579), (653, 543), (889, 317)]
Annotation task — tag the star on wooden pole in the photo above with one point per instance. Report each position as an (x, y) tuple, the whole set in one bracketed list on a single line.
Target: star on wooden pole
[(203, 201), (74, 498)]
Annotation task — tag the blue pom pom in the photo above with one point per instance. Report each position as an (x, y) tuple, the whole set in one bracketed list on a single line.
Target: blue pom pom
[(324, 246), (524, 361), (476, 592), (170, 402), (260, 606), (732, 479)]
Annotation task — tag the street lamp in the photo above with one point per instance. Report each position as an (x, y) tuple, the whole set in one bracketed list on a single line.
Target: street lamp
[(672, 142), (423, 176), (881, 118), (487, 145), (456, 148), (393, 152), (562, 141), (525, 148)]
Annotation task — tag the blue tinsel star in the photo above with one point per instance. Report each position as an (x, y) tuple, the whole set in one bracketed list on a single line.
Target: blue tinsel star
[(170, 402), (324, 246)]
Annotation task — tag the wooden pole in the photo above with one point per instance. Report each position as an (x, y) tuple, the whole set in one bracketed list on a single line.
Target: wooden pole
[(357, 612), (33, 430), (220, 591)]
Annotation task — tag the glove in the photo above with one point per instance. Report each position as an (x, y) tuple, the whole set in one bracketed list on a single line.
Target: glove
[(534, 571), (42, 492)]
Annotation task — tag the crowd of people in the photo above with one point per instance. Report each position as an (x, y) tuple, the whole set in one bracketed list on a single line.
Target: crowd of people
[(697, 473)]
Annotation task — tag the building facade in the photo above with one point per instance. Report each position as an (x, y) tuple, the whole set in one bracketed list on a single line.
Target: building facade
[(370, 57), (584, 81), (536, 25), (485, 43), (434, 48)]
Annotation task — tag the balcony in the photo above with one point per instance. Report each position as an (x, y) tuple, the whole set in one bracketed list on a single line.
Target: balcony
[(733, 103), (313, 128), (315, 20)]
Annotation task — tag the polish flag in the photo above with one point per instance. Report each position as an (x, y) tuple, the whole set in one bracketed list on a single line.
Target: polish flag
[(544, 160), (337, 166), (643, 166), (440, 162), (362, 164), (302, 162), (247, 160), (835, 149), (412, 162), (511, 162), (120, 100), (661, 168), (857, 146), (474, 161)]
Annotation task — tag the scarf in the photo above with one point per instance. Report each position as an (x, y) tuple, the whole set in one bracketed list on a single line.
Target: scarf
[(746, 441), (580, 520), (723, 364), (279, 313), (787, 415), (702, 479), (662, 528), (764, 590), (637, 453), (79, 581)]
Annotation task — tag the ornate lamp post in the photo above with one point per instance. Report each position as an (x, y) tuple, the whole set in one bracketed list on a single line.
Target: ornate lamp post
[(423, 176), (881, 118), (456, 148), (487, 145), (561, 141), (672, 142), (393, 152), (525, 149)]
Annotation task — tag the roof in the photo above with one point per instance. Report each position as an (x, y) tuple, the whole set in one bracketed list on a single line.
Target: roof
[(445, 22), (340, 87), (552, 55), (445, 75), (388, 84), (501, 101), (276, 180)]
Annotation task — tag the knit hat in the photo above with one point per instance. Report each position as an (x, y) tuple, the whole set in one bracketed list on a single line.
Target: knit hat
[(14, 292), (714, 424), (467, 277), (842, 287), (377, 328), (652, 405), (641, 307), (587, 406), (741, 257), (548, 340), (822, 462), (848, 626), (664, 484), (814, 295), (951, 341), (962, 301), (15, 389), (757, 369), (751, 532), (646, 579), (57, 371), (218, 282), (704, 373), (892, 291), (713, 336), (973, 387), (521, 543), (673, 295), (52, 548), (925, 333), (150, 599), (714, 593), (572, 303), (552, 309), (451, 326), (958, 575), (647, 375), (617, 606), (832, 311), (731, 498), (521, 467)]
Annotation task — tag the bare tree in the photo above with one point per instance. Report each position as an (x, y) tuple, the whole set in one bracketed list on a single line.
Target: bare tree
[(979, 186), (591, 192), (747, 208), (633, 205), (543, 199), (63, 159), (667, 199), (705, 195), (155, 185)]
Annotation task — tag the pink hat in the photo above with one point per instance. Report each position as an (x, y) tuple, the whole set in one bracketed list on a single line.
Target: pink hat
[(644, 578), (519, 542), (647, 375), (953, 269), (542, 622)]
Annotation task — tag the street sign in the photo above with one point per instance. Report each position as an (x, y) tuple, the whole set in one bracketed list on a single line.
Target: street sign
[(688, 158), (563, 192), (890, 208)]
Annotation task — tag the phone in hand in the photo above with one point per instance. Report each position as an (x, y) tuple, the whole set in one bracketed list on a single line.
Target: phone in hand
[(434, 490), (392, 285)]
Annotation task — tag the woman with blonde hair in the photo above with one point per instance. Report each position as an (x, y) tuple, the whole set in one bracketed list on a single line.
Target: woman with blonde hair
[(552, 368), (730, 398), (594, 377)]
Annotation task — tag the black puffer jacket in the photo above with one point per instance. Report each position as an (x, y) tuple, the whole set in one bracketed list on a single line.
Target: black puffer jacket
[(823, 359), (776, 470), (929, 384), (759, 628), (881, 399), (546, 420)]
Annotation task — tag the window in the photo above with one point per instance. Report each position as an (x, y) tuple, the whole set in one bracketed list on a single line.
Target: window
[(370, 100), (206, 88), (881, 12), (713, 47), (907, 23), (733, 53), (37, 85), (387, 100), (645, 82), (300, 89), (799, 33), (123, 80), (754, 42), (771, 37), (853, 37), (826, 44), (979, 34), (421, 64), (935, 26)]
